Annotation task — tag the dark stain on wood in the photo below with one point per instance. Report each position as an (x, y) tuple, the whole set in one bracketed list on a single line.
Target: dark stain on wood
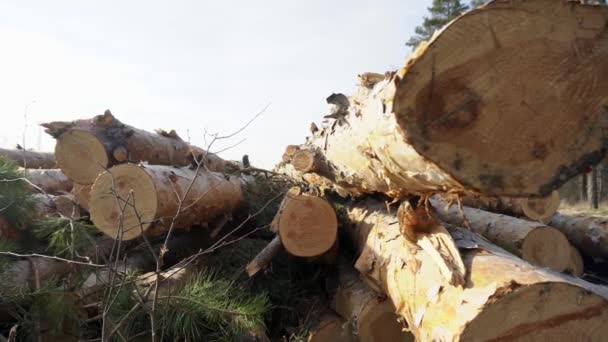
[(539, 151)]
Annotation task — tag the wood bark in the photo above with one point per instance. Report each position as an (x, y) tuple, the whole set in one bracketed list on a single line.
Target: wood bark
[(86, 148), (534, 242), (129, 199), (535, 209), (307, 225), (587, 233), (30, 159), (440, 123), (542, 305), (51, 181), (370, 314)]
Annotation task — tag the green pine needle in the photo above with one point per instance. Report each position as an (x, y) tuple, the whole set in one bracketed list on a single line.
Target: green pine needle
[(17, 203), (65, 237), (208, 305)]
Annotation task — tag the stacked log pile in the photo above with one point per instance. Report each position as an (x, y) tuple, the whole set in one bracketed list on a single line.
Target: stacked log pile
[(423, 207)]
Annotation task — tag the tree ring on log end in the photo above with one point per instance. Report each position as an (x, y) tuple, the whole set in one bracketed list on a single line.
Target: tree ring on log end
[(379, 323), (541, 312), (541, 209), (308, 225), (81, 156), (479, 90), (547, 247), (139, 212)]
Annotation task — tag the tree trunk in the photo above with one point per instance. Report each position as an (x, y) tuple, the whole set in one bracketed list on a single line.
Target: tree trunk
[(534, 242), (86, 148), (51, 181), (536, 209), (372, 317), (307, 225), (587, 233), (149, 197), (544, 304), (593, 190), (584, 186), (30, 159), (441, 122), (82, 195)]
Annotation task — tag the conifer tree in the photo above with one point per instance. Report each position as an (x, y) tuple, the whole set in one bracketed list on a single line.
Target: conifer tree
[(441, 13)]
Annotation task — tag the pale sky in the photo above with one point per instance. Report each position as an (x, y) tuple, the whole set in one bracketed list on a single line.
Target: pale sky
[(193, 65)]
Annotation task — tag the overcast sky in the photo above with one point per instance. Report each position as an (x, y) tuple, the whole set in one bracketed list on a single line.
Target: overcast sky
[(193, 65)]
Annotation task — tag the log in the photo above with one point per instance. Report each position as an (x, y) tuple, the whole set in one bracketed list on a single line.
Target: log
[(51, 181), (577, 266), (328, 326), (534, 242), (63, 205), (30, 159), (82, 195), (151, 194), (264, 257), (534, 208), (587, 233), (542, 305), (307, 225), (441, 122), (290, 150), (371, 315), (86, 148)]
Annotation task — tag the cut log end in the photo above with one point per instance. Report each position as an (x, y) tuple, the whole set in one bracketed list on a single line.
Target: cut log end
[(577, 266), (547, 247), (380, 323), (305, 161), (560, 312), (451, 114), (136, 194), (330, 328), (307, 225), (541, 209), (81, 156)]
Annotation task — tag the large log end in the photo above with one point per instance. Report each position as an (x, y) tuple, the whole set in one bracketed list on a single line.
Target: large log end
[(520, 105)]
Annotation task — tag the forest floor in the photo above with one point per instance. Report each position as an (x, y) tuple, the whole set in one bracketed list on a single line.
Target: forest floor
[(582, 208)]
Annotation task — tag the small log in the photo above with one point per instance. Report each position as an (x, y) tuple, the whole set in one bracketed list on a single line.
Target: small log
[(440, 123), (307, 225), (289, 152), (264, 258), (534, 208), (577, 266), (51, 181), (30, 159), (82, 195), (371, 314), (151, 194), (307, 161), (534, 242), (86, 148), (548, 305), (587, 233)]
